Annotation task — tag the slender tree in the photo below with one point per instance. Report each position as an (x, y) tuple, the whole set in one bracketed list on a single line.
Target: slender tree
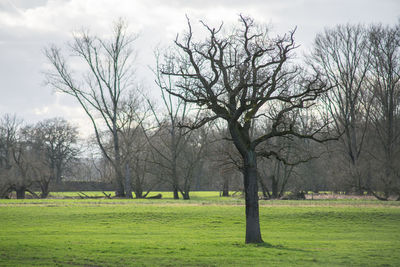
[(102, 88)]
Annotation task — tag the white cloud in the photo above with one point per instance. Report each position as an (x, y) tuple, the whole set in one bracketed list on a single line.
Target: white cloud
[(41, 111)]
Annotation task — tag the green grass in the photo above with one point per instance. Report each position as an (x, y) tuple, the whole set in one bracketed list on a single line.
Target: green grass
[(205, 231), (165, 195)]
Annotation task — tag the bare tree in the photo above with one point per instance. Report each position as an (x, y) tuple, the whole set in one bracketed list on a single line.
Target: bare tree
[(385, 87), (9, 127), (56, 139), (22, 159), (342, 55), (136, 153), (274, 174), (28, 163), (193, 159), (177, 151), (236, 78), (289, 152), (102, 88)]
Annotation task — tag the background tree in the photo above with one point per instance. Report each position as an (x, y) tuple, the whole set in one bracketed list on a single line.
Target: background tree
[(193, 160), (278, 167), (385, 112), (225, 160), (102, 88), (274, 174), (9, 127), (342, 56), (56, 140), (176, 151), (22, 158), (236, 78), (136, 150), (28, 163)]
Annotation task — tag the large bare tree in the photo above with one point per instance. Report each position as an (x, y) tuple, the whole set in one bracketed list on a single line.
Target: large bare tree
[(237, 77), (101, 88)]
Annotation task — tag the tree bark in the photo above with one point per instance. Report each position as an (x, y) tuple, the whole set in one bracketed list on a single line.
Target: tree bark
[(174, 166), (264, 189), (253, 233), (139, 194), (117, 157), (120, 179), (185, 195), (44, 186), (274, 186), (225, 187), (20, 192), (128, 186), (58, 173), (138, 188), (119, 192), (176, 192)]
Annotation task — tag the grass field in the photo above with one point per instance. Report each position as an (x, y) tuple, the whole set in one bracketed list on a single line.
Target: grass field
[(205, 231)]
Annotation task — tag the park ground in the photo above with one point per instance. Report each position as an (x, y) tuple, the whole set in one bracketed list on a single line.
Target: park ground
[(205, 231)]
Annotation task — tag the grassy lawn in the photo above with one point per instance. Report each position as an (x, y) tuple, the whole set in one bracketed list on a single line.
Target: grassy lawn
[(205, 231)]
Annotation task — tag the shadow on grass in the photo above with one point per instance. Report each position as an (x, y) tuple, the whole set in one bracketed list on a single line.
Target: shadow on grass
[(268, 246)]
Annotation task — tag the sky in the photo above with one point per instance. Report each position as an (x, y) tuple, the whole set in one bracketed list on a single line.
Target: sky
[(28, 26)]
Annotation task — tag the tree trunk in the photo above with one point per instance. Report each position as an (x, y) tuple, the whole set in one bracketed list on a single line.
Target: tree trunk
[(138, 189), (225, 187), (20, 192), (176, 192), (274, 187), (44, 186), (44, 194), (119, 192), (253, 233), (58, 174), (174, 163), (264, 188), (360, 188), (185, 195), (128, 185), (117, 161), (139, 194)]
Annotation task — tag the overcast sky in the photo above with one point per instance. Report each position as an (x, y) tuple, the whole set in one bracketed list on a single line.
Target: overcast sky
[(27, 26)]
